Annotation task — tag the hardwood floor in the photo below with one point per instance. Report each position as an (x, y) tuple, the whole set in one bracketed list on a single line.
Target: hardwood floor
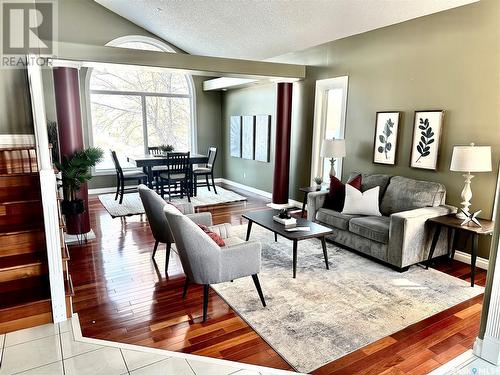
[(121, 295)]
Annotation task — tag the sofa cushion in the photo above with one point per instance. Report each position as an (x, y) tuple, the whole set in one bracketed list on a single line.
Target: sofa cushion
[(375, 228), (405, 194), (335, 198), (333, 218), (369, 181)]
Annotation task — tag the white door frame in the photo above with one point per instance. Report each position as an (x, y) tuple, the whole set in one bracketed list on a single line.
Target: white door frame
[(322, 86), (48, 190)]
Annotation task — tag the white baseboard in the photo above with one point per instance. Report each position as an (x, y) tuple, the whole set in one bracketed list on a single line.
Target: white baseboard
[(466, 258), (17, 140), (250, 189), (262, 193)]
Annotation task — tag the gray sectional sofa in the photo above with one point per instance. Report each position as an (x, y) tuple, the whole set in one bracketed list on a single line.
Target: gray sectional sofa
[(401, 236)]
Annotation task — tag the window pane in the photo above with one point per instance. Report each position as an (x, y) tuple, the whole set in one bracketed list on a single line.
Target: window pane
[(332, 125), (117, 125), (127, 78), (169, 122)]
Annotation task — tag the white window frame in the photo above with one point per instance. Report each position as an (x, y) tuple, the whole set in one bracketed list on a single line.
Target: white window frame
[(320, 107), (192, 95)]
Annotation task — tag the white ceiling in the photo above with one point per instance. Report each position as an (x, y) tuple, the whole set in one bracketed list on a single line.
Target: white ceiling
[(260, 29)]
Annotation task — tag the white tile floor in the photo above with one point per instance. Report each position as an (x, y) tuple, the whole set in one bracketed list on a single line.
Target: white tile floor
[(60, 349), (467, 364)]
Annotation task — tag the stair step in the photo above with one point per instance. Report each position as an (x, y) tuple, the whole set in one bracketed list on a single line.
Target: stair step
[(20, 213), (19, 187), (24, 303), (22, 266), (22, 241)]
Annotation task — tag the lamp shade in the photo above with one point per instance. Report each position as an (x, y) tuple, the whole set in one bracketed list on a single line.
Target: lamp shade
[(333, 148), (471, 159)]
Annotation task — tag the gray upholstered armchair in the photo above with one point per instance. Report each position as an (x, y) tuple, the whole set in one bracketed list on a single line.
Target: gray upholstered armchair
[(153, 205), (204, 262)]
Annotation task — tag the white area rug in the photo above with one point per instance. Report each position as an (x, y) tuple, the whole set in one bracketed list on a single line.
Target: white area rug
[(323, 315), (132, 204)]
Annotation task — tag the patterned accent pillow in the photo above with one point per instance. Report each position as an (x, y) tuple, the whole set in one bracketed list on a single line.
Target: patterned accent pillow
[(336, 195), (214, 236)]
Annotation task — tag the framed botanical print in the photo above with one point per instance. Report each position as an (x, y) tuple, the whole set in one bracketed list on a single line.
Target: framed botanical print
[(427, 129), (385, 143)]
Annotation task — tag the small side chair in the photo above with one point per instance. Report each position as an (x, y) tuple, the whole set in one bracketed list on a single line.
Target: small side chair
[(206, 170), (122, 176), (205, 263)]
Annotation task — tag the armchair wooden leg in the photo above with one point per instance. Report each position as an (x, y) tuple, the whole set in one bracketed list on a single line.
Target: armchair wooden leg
[(169, 246), (154, 249), (259, 290), (205, 301), (185, 290)]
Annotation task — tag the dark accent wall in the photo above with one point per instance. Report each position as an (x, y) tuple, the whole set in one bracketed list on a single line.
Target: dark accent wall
[(449, 60)]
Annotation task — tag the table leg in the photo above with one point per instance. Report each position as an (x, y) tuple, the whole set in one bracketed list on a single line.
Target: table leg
[(149, 172), (275, 237), (433, 245), (304, 202), (325, 254), (475, 241), (454, 243), (249, 229), (294, 258)]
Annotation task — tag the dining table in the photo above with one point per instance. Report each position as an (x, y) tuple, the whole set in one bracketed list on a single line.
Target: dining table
[(148, 161)]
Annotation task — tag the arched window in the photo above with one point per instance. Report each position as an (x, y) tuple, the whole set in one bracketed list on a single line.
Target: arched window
[(133, 107)]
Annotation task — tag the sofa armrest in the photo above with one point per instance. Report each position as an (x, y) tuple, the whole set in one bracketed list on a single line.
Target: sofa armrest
[(240, 260), (223, 230), (409, 236), (315, 201), (203, 218)]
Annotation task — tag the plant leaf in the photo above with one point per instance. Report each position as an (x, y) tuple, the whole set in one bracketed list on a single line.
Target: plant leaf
[(388, 146), (380, 149), (381, 138)]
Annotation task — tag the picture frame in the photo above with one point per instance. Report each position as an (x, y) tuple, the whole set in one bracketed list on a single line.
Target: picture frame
[(262, 137), (247, 137), (235, 136), (386, 137), (426, 139)]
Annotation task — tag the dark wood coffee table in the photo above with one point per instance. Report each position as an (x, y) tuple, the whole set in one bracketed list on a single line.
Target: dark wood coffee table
[(265, 219)]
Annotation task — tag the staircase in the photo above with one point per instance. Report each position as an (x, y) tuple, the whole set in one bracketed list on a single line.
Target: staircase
[(24, 282)]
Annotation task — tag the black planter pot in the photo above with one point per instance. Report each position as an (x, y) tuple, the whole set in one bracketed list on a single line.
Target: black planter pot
[(72, 208)]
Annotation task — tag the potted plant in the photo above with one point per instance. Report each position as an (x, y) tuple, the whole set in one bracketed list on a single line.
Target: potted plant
[(166, 148), (318, 181), (75, 171)]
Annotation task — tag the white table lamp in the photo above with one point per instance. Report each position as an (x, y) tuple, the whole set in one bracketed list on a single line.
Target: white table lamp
[(333, 148), (469, 159)]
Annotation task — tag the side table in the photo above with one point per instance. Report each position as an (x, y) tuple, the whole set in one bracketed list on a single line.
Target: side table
[(306, 191), (453, 223)]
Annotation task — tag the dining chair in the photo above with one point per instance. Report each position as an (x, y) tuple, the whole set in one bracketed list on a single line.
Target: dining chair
[(206, 170), (122, 176), (205, 263), (157, 169), (177, 173)]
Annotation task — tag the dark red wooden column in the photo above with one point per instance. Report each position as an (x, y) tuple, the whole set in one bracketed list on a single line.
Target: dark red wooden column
[(282, 148), (69, 123)]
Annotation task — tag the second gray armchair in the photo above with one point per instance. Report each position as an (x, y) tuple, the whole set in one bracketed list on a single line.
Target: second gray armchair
[(204, 262)]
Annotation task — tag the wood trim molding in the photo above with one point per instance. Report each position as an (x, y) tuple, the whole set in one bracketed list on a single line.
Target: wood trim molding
[(466, 258), (7, 140)]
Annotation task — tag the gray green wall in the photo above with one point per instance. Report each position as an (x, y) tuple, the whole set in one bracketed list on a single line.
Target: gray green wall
[(74, 17), (257, 100), (448, 60)]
